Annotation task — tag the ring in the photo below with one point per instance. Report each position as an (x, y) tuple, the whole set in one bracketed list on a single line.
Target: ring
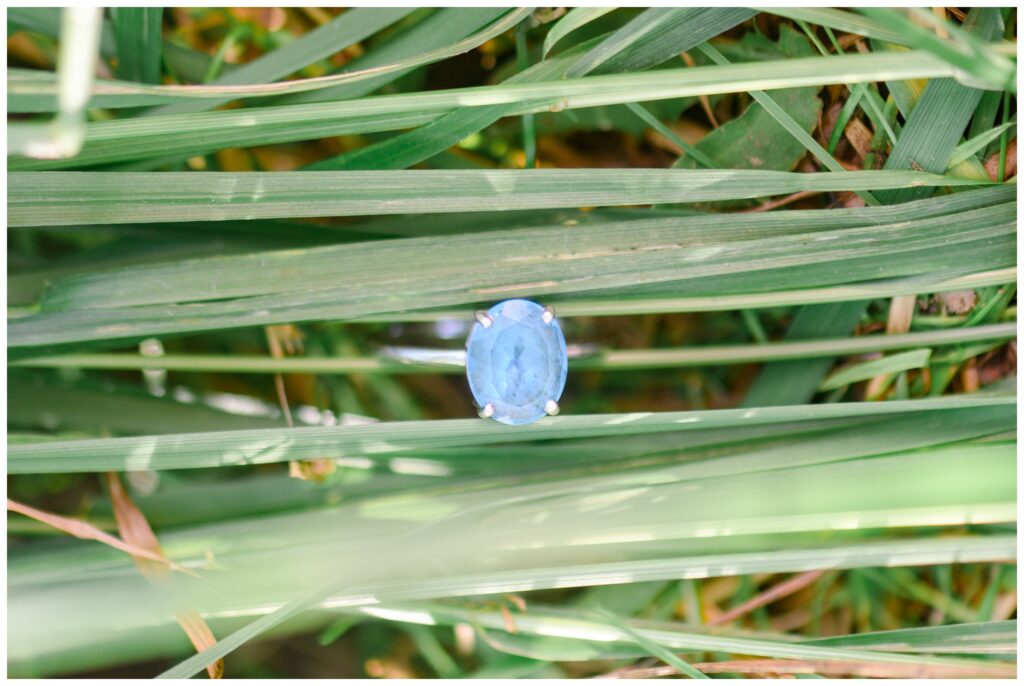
[(516, 362)]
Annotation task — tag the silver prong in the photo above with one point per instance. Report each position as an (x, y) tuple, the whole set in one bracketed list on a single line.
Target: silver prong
[(487, 411), (484, 318), (551, 407), (549, 315)]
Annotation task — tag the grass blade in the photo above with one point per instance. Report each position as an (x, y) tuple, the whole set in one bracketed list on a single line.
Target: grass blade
[(890, 364), (348, 28), (574, 19), (61, 198), (274, 445), (188, 135), (137, 33)]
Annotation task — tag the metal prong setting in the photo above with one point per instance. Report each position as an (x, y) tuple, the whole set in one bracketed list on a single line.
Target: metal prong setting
[(484, 318), (551, 407), (549, 315), (487, 411)]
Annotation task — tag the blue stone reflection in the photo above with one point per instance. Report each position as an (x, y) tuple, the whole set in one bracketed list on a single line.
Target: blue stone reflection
[(518, 363)]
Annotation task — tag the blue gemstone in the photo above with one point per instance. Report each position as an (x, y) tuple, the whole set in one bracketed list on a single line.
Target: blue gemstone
[(518, 363)]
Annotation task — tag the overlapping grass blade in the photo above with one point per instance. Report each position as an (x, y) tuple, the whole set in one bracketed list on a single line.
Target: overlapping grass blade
[(446, 30), (744, 255), (188, 135), (350, 27), (655, 36), (370, 73), (969, 52)]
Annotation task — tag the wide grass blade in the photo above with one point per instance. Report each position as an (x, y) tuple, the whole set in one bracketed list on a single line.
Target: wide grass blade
[(746, 255), (60, 198), (274, 445)]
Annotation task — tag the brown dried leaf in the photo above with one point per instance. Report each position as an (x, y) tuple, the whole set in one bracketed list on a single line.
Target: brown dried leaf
[(859, 136), (135, 530), (81, 529), (1009, 169), (959, 302)]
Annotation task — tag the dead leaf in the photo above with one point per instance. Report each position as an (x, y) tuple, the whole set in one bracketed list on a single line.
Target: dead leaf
[(84, 530), (859, 136), (959, 302), (1009, 169), (136, 531)]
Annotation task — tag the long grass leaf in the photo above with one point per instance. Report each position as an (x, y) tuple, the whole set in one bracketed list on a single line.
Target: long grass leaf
[(55, 198), (275, 445)]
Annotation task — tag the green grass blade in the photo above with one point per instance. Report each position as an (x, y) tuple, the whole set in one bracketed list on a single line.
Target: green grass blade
[(256, 447), (939, 118), (186, 135), (747, 255), (574, 19), (657, 35), (447, 30), (348, 28), (791, 126), (137, 31), (968, 52), (416, 146), (890, 364), (971, 147), (656, 649), (62, 198)]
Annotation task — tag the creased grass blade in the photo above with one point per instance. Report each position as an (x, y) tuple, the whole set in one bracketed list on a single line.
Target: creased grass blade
[(59, 198)]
